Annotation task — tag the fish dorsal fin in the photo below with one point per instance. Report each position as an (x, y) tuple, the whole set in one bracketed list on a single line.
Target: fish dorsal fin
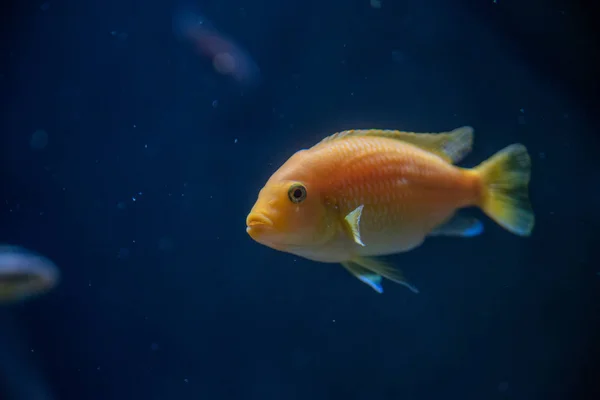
[(452, 146)]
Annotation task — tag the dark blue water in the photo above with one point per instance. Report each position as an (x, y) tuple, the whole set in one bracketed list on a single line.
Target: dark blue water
[(152, 160)]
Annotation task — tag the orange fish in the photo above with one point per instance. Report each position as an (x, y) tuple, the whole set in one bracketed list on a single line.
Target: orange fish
[(359, 194)]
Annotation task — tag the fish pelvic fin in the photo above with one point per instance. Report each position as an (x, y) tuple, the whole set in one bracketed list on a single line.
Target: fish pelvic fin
[(452, 146), (365, 276), (371, 271), (504, 195)]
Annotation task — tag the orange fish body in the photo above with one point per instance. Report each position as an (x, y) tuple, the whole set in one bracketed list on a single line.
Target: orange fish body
[(366, 193)]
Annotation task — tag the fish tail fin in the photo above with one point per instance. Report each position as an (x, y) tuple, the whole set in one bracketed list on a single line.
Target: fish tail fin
[(504, 193), (370, 271)]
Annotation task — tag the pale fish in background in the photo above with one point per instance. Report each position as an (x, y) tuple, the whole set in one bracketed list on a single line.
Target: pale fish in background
[(24, 274)]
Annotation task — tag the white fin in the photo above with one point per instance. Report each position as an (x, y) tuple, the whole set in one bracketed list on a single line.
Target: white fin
[(353, 223)]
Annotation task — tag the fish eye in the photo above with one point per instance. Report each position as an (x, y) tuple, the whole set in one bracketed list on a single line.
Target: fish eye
[(297, 193)]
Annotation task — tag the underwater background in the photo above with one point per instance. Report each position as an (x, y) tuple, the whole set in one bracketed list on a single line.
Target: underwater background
[(131, 157)]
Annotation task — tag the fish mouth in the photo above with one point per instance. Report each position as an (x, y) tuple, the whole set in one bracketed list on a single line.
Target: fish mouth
[(255, 219), (257, 223)]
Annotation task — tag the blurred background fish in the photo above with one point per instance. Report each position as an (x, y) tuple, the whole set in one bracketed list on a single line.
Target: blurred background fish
[(24, 274), (227, 57)]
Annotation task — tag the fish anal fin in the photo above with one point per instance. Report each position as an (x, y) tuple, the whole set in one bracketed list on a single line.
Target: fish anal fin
[(371, 267), (452, 146), (459, 225)]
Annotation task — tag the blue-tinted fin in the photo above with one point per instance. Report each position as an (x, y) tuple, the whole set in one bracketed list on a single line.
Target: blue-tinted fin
[(380, 267), (372, 280), (372, 271), (459, 226), (365, 276)]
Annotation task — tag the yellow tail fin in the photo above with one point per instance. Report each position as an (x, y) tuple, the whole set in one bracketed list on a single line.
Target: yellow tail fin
[(504, 197)]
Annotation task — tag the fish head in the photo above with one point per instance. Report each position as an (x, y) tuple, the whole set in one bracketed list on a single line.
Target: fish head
[(290, 214)]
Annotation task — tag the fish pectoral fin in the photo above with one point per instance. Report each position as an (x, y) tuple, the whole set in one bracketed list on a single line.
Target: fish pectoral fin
[(368, 269), (459, 225), (364, 275), (352, 221), (452, 146)]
